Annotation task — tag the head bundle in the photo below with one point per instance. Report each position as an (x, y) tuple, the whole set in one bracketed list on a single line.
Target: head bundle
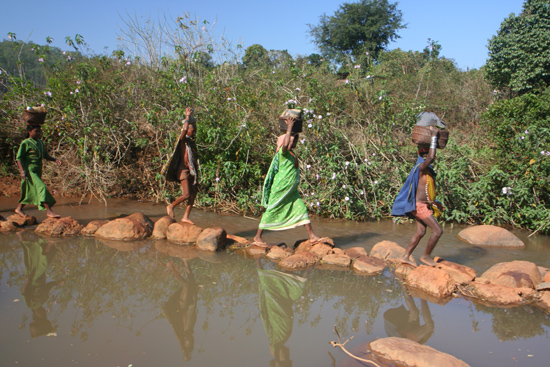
[(35, 115), (294, 113)]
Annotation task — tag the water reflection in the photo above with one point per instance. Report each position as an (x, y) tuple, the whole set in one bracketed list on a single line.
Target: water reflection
[(37, 255), (277, 293), (181, 308), (404, 322)]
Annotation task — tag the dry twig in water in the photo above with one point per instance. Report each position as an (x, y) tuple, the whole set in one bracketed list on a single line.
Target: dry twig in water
[(341, 345)]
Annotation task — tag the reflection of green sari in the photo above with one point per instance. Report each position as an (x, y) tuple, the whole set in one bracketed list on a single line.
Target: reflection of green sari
[(285, 208), (278, 292), (36, 290)]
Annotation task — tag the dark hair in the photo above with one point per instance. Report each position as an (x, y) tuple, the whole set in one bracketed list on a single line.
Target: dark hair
[(29, 129)]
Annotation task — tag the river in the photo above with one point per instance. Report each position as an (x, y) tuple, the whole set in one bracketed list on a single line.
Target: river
[(84, 302)]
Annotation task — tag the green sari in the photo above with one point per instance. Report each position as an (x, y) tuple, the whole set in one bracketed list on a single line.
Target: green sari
[(33, 189), (285, 208)]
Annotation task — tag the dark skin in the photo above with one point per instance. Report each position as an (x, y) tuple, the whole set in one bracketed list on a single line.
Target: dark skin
[(430, 222), (36, 134), (189, 190), (287, 142)]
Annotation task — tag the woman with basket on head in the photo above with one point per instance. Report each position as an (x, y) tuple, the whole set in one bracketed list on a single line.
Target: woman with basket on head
[(29, 160), (285, 208), (417, 196)]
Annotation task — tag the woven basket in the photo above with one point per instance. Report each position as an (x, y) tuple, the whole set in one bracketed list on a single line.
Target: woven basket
[(34, 117), (423, 135)]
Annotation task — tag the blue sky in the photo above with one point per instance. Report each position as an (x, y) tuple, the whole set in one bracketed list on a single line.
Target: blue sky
[(463, 28)]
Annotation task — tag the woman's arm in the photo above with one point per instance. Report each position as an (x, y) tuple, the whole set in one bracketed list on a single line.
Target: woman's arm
[(21, 170), (287, 140), (188, 113), (431, 154)]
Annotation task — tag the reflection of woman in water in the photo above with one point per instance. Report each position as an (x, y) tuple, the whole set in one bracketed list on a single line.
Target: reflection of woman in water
[(278, 292), (38, 255), (181, 309), (404, 323)]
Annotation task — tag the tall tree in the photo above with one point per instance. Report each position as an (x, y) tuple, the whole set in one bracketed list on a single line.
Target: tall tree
[(519, 55), (255, 55), (357, 28)]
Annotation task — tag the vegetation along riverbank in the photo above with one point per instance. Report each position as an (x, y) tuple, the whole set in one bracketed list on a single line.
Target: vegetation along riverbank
[(113, 120)]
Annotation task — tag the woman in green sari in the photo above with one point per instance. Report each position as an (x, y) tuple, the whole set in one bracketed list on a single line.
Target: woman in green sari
[(29, 160), (285, 208)]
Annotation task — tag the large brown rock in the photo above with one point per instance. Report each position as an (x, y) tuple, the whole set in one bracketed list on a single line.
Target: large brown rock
[(461, 274), (124, 229), (338, 251), (92, 227), (517, 274), (339, 260), (161, 227), (496, 294), (278, 253), (7, 226), (544, 301), (20, 221), (58, 227), (368, 265), (490, 236), (355, 252), (434, 281), (144, 220), (183, 233), (321, 249), (257, 250), (212, 239), (307, 245), (405, 352), (299, 261), (388, 250)]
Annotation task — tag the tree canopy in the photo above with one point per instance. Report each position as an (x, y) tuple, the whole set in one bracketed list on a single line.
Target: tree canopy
[(357, 28), (255, 55), (519, 55)]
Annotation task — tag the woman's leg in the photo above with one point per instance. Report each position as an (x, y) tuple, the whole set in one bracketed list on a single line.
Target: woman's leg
[(192, 194), (185, 196), (258, 241), (49, 211), (437, 231), (420, 232), (312, 236), (19, 210)]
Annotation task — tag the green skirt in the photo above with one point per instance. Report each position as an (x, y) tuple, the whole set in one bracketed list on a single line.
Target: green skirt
[(34, 190)]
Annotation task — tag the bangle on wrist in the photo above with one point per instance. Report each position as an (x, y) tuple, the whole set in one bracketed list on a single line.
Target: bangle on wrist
[(433, 145)]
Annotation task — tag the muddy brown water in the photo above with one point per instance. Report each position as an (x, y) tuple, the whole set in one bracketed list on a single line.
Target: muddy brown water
[(82, 302)]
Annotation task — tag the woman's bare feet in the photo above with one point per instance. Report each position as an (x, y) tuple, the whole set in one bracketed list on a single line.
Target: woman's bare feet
[(20, 211), (186, 220), (314, 239), (170, 211), (259, 242), (428, 260), (407, 260), (53, 215)]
